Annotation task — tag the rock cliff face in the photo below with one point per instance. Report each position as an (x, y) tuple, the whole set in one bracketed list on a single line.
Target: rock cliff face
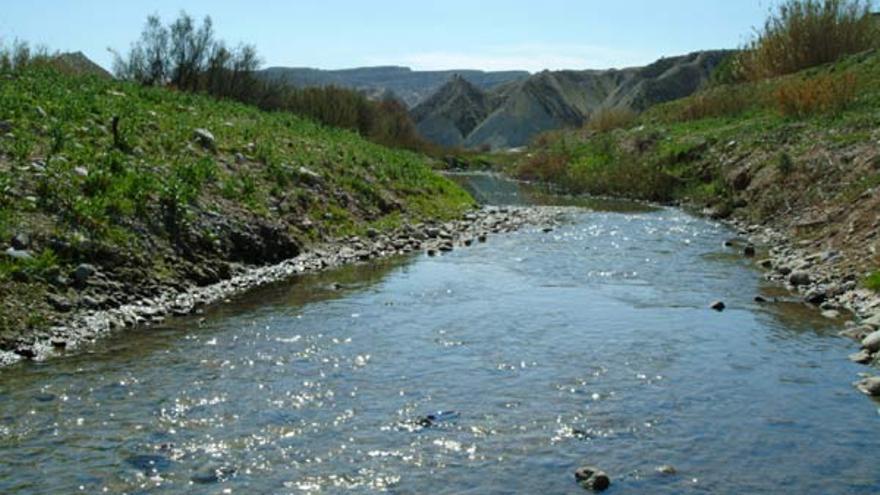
[(511, 114)]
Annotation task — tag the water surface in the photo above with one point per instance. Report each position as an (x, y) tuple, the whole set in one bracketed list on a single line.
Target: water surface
[(589, 344)]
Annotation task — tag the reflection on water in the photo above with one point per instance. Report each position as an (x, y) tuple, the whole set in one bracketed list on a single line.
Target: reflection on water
[(492, 189), (534, 353)]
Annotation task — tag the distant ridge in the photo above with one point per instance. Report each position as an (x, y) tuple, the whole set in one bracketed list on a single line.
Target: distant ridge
[(514, 112), (409, 86)]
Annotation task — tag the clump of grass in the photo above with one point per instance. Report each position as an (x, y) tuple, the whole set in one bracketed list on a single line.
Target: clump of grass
[(39, 267), (609, 119), (785, 164), (806, 33), (822, 94), (872, 281)]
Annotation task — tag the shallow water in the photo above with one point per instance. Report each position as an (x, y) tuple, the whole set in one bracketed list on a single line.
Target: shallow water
[(591, 344)]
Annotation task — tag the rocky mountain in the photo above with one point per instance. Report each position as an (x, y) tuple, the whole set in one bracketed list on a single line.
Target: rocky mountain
[(411, 87), (509, 115), (453, 112)]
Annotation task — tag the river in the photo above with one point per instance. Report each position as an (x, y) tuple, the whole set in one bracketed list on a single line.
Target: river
[(591, 344)]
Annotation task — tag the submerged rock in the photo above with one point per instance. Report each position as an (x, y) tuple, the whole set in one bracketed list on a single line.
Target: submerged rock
[(213, 474), (592, 478), (438, 417), (667, 470), (149, 464)]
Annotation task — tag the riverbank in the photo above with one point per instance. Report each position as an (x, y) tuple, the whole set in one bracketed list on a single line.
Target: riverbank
[(111, 193), (431, 238), (825, 279)]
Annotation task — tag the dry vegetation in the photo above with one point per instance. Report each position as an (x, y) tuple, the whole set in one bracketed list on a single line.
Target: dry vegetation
[(807, 33)]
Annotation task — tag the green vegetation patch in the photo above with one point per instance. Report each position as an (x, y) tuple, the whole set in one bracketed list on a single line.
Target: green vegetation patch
[(155, 182)]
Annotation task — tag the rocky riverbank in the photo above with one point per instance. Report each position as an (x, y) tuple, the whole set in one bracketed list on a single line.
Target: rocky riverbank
[(826, 278), (431, 238)]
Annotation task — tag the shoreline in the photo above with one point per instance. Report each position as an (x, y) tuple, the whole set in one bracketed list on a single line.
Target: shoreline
[(822, 279), (432, 238)]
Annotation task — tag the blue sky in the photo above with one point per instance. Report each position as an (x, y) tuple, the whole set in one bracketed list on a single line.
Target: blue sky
[(423, 34)]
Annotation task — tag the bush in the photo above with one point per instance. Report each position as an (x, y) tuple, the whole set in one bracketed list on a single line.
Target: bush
[(807, 33), (545, 166), (827, 94), (872, 281), (608, 119), (721, 101)]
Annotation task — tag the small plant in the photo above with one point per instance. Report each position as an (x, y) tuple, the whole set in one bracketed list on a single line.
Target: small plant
[(823, 94), (785, 164), (872, 281)]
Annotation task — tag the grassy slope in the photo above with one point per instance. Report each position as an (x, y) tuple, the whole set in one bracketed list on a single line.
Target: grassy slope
[(816, 176), (156, 207)]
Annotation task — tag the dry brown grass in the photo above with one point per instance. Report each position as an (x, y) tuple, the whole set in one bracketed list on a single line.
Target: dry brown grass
[(807, 33), (820, 94)]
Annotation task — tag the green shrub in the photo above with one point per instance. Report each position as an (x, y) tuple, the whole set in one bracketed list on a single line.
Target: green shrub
[(872, 281)]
